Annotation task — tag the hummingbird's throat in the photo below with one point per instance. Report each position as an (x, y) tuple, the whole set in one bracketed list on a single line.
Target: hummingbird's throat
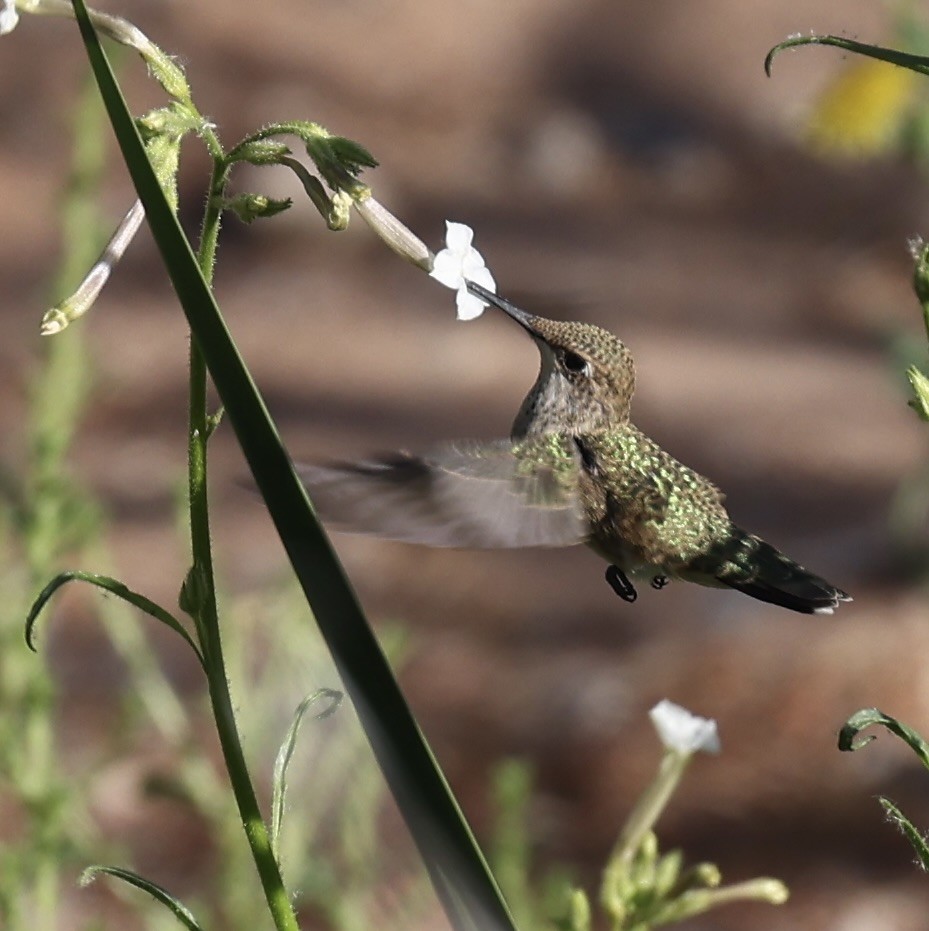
[(556, 404)]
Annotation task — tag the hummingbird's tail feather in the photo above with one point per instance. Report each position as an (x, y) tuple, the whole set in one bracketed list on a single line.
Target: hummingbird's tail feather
[(748, 564)]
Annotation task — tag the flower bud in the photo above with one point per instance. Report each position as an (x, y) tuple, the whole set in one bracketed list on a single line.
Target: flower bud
[(56, 319)]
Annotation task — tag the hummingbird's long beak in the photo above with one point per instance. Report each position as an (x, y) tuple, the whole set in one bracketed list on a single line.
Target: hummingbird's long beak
[(511, 310)]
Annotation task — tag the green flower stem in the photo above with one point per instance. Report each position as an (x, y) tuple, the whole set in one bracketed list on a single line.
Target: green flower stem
[(120, 30), (202, 591)]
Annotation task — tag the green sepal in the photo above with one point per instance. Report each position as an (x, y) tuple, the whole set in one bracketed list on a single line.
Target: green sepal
[(251, 207), (175, 119), (352, 155), (338, 160), (162, 131)]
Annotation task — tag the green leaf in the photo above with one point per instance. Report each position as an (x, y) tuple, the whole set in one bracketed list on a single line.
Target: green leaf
[(177, 908), (456, 866), (868, 716), (286, 752), (917, 63), (895, 816), (114, 587)]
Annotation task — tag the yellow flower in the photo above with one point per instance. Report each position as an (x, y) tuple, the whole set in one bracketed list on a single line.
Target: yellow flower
[(862, 111)]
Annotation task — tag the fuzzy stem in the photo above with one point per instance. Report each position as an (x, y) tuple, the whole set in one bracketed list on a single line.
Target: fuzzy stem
[(207, 619)]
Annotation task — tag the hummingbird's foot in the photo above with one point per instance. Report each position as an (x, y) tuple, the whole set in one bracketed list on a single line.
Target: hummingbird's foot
[(659, 582), (620, 584)]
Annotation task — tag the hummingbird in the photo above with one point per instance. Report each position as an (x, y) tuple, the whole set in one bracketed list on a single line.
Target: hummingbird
[(575, 469)]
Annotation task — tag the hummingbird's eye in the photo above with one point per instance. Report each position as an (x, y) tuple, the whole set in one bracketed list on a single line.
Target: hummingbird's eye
[(575, 364)]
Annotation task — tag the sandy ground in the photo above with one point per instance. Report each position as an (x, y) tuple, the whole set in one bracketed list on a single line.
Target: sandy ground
[(628, 164)]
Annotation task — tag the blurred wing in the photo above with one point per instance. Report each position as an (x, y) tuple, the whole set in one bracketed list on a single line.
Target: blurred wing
[(465, 494)]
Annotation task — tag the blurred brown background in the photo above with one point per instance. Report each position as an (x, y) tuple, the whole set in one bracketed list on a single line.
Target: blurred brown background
[(625, 163)]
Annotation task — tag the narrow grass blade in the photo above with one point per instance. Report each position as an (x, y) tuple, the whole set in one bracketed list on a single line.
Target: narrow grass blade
[(458, 870)]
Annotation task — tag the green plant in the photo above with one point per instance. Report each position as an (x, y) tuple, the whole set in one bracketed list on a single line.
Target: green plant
[(459, 873), (919, 401)]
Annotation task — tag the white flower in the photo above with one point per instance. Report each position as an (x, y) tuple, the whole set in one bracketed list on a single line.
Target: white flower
[(682, 731), (458, 263), (8, 17)]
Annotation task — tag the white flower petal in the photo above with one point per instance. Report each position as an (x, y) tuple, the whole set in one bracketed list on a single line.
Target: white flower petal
[(469, 306), (458, 236), (446, 269), (682, 731), (483, 277), (8, 17), (471, 261)]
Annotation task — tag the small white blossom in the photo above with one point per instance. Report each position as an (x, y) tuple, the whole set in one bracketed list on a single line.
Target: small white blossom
[(8, 17), (682, 731), (457, 264)]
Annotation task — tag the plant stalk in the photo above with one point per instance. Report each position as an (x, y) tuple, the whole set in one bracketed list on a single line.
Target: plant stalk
[(207, 619)]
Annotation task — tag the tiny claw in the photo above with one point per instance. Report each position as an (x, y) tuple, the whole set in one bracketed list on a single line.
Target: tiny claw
[(621, 585), (659, 582)]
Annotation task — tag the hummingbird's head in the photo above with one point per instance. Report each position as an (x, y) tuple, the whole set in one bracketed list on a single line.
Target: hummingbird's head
[(586, 380)]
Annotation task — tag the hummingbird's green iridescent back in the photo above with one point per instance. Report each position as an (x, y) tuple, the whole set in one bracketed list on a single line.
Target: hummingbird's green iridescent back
[(662, 513)]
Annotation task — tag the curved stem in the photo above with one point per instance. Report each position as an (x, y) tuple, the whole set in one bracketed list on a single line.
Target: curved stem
[(206, 616)]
